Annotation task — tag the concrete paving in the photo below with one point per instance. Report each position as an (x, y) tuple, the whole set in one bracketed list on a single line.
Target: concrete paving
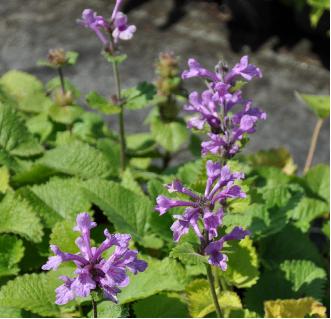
[(28, 28)]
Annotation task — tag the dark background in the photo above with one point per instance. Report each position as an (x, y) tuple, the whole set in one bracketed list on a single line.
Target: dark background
[(279, 39)]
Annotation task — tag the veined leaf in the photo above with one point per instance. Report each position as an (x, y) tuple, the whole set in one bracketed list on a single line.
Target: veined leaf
[(294, 308), (140, 96), (78, 159), (319, 104), (12, 251), (185, 253), (64, 237), (17, 217), (160, 275), (101, 104)]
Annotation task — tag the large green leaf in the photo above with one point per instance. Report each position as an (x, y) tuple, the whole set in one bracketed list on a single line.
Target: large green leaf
[(318, 181), (319, 104), (4, 179), (12, 251), (170, 135), (160, 275), (293, 279), (64, 237), (243, 265), (160, 306), (15, 139), (128, 211), (107, 309), (33, 292), (200, 301), (65, 114), (290, 243), (78, 159), (64, 196), (40, 126), (16, 216)]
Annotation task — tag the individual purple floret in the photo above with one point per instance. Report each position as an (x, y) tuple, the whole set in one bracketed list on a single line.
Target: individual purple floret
[(109, 31), (93, 271), (215, 107), (213, 249)]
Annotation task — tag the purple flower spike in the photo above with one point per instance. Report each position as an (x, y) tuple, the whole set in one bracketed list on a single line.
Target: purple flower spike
[(93, 271), (212, 107), (200, 208)]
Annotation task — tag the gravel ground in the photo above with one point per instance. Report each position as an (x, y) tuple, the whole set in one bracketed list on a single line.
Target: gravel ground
[(28, 28)]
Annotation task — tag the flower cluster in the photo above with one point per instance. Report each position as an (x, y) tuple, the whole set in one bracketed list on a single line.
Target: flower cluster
[(93, 271), (109, 31), (215, 106), (204, 213)]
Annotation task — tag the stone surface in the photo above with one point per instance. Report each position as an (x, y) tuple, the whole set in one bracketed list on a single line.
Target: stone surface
[(29, 28)]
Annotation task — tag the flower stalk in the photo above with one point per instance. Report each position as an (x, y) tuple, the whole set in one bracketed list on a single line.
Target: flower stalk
[(61, 76), (313, 145), (120, 116), (94, 307), (213, 291)]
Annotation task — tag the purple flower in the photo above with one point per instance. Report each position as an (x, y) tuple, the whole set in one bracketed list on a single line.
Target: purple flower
[(93, 271), (122, 30), (213, 107), (213, 250), (109, 31), (243, 69), (219, 187)]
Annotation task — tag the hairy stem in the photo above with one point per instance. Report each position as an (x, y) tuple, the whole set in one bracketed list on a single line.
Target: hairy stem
[(61, 76), (313, 144), (94, 306), (213, 291), (120, 116)]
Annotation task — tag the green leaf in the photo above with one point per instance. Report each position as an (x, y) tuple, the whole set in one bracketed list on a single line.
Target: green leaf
[(293, 279), (107, 309), (118, 59), (12, 251), (101, 104), (7, 312), (290, 243), (319, 104), (160, 306), (139, 97), (294, 308), (170, 135), (243, 265), (17, 217), (130, 183), (160, 275), (78, 159), (306, 211), (40, 125), (65, 114), (111, 152), (128, 211), (200, 302), (186, 253), (4, 179), (318, 181), (64, 196), (20, 84), (71, 57), (55, 84), (326, 229), (33, 292), (64, 237), (15, 139)]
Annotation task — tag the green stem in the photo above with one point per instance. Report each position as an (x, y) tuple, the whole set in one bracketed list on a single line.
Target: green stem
[(61, 76), (94, 306), (120, 116), (213, 291), (313, 144)]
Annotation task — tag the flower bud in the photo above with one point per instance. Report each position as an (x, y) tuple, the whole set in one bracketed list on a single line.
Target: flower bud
[(57, 57)]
